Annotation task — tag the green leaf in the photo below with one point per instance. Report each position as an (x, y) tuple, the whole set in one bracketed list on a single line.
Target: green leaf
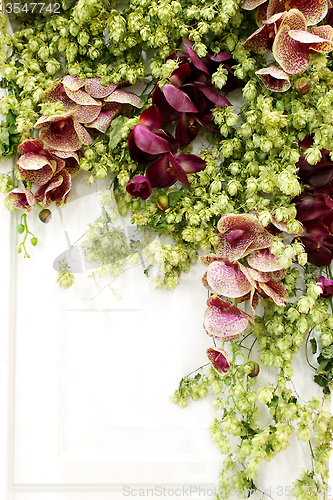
[(115, 131), (320, 380), (197, 377), (175, 196), (327, 352)]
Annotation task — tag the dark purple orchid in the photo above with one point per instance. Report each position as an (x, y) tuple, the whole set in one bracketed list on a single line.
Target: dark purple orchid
[(190, 95), (139, 187), (327, 286), (318, 244), (148, 141)]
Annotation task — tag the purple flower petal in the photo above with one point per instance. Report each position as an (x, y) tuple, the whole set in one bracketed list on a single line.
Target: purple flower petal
[(160, 174), (149, 142), (151, 118), (178, 99), (198, 63), (72, 83), (82, 134), (191, 163), (179, 75), (274, 78), (223, 320), (212, 95)]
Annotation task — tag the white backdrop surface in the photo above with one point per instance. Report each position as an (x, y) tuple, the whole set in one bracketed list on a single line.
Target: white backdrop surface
[(86, 379)]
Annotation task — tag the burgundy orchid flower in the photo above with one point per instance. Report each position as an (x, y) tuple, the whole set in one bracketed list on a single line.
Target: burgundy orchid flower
[(327, 286), (219, 359), (318, 244), (139, 187), (318, 175), (148, 141), (190, 95), (22, 198)]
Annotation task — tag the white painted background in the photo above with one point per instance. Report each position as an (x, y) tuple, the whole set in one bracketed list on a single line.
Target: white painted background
[(85, 380)]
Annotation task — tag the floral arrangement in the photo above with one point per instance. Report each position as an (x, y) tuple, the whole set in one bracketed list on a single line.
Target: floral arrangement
[(249, 191)]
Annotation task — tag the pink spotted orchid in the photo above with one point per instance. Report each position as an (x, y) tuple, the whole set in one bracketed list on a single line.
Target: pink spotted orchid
[(314, 11), (224, 321), (22, 198), (88, 104), (219, 359), (243, 236)]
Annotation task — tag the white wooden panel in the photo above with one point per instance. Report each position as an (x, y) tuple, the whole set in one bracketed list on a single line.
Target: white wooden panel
[(89, 379)]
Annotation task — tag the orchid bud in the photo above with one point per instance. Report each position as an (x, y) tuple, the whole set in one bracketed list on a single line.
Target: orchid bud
[(303, 86), (162, 202), (45, 215), (254, 369)]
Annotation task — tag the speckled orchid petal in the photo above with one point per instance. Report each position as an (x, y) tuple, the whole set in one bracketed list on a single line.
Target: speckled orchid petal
[(306, 37), (212, 95), (59, 134), (52, 118), (252, 4), (37, 168), (254, 236), (226, 306), (22, 198), (149, 142), (261, 13), (264, 260), (314, 10), (253, 276), (71, 162), (223, 320), (178, 99), (72, 83), (96, 89), (219, 359), (81, 97), (235, 248), (274, 78), (283, 226), (86, 114), (227, 280), (208, 259), (31, 146), (82, 134), (275, 291), (260, 41), (326, 33), (292, 55), (123, 97), (104, 119), (56, 190), (276, 275)]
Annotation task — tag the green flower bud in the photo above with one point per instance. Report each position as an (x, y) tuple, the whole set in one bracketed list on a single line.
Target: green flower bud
[(34, 241), (20, 228)]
